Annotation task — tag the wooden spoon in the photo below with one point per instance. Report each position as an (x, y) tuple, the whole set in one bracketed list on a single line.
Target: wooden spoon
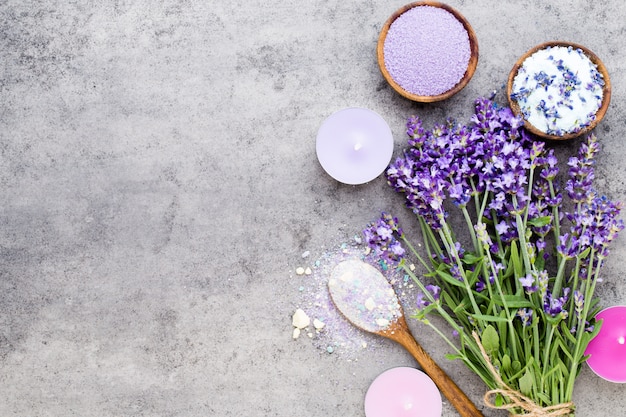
[(366, 299)]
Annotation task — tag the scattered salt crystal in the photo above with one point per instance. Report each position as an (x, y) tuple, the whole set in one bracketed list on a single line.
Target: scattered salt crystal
[(310, 335), (382, 322), (300, 270), (330, 349), (318, 324), (370, 304), (308, 271), (412, 267), (305, 254), (296, 333), (300, 319)]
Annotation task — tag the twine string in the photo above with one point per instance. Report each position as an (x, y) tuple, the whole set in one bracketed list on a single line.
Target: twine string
[(516, 399)]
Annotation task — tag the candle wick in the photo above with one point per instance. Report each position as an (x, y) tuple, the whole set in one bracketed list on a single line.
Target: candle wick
[(358, 146), (621, 340)]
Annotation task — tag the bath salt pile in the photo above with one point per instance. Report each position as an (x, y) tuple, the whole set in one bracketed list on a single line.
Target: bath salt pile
[(363, 295), (559, 90), (315, 317), (426, 50)]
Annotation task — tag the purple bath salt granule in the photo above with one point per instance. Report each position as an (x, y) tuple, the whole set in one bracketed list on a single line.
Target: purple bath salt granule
[(426, 50)]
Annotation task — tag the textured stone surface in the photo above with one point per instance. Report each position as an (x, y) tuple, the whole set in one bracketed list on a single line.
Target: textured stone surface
[(159, 183)]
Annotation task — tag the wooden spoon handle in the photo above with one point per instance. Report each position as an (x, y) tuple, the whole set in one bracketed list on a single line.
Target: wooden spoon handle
[(446, 385)]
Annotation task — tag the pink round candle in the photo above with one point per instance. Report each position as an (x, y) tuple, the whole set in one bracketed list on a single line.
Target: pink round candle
[(608, 348), (403, 392), (354, 145)]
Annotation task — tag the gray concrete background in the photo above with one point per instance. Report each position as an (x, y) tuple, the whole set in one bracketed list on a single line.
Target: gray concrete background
[(159, 186)]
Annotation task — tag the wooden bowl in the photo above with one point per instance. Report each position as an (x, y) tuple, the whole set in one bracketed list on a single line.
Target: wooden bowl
[(471, 67), (606, 90)]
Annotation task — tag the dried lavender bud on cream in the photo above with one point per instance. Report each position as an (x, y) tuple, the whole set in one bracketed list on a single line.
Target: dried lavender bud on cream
[(363, 295), (426, 50), (558, 90)]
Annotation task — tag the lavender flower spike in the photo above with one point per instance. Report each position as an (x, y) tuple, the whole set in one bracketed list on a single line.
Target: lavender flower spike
[(382, 237)]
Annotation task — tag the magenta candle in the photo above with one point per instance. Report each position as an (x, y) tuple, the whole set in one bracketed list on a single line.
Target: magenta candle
[(403, 392), (608, 348), (354, 145)]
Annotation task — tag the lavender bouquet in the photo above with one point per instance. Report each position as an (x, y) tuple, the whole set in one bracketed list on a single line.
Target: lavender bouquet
[(517, 284)]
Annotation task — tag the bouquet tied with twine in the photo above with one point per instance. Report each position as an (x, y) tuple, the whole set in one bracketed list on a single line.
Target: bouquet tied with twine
[(510, 255)]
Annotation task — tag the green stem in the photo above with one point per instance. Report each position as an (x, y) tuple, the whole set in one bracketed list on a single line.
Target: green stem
[(556, 221), (485, 376), (415, 253), (521, 231), (470, 227), (430, 241), (531, 173), (449, 244), (590, 284), (546, 351), (536, 347), (558, 282), (512, 332)]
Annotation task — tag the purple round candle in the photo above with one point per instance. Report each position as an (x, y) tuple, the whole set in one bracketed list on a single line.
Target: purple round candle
[(427, 50), (354, 145)]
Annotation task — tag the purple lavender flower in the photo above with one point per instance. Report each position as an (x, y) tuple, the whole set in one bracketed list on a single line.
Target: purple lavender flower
[(526, 315), (482, 234), (434, 290), (550, 169), (481, 284), (528, 283), (382, 236), (556, 305), (595, 222), (423, 301), (579, 302), (581, 172)]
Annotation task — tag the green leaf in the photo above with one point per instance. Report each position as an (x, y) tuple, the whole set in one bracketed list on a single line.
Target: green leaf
[(506, 362), (564, 369), (516, 366), (490, 339), (488, 318), (584, 253), (461, 307), (512, 301), (540, 221), (471, 259), (452, 357), (516, 260), (540, 262), (448, 300), (568, 335), (526, 383), (472, 277), (449, 278)]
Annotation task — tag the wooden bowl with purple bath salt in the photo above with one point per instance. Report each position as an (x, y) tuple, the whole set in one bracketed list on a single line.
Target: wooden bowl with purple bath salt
[(561, 89), (427, 51)]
